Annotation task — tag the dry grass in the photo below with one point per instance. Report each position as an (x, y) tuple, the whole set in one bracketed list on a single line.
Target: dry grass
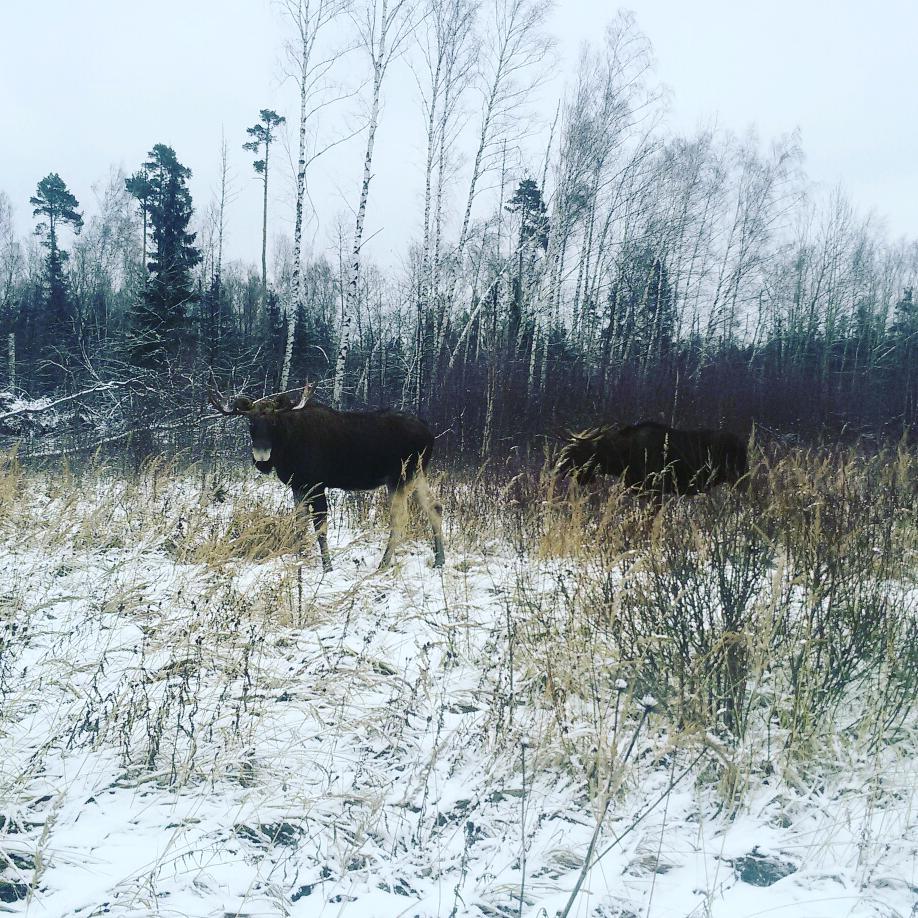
[(775, 602), (772, 626)]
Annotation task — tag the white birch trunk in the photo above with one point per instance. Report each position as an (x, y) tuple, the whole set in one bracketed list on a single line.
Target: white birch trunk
[(290, 313), (453, 51), (378, 51), (533, 358), (293, 301)]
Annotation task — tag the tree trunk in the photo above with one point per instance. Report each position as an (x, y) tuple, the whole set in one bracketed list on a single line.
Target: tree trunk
[(264, 229), (11, 360), (350, 302), (294, 300)]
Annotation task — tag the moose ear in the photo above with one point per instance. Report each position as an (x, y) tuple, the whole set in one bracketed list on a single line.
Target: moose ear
[(282, 402), (241, 403)]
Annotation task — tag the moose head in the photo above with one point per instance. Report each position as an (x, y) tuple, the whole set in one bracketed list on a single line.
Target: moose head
[(265, 416)]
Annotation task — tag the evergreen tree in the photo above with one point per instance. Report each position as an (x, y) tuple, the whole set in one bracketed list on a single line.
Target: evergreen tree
[(56, 207), (527, 202), (262, 135), (161, 315), (138, 186), (642, 306), (905, 319), (904, 333), (659, 309), (272, 334)]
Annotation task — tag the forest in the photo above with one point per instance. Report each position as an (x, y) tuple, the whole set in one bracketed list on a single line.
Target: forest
[(575, 264)]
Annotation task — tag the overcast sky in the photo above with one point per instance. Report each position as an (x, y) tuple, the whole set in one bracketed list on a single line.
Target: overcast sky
[(90, 84)]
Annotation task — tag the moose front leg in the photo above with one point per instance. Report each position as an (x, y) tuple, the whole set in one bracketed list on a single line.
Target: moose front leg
[(316, 503)]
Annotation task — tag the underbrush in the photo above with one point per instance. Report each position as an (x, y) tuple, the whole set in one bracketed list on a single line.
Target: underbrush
[(582, 661), (804, 578)]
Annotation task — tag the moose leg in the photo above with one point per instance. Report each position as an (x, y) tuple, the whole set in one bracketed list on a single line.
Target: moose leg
[(434, 510), (398, 505), (317, 506), (320, 521)]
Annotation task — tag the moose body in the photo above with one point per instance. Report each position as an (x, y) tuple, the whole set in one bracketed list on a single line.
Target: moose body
[(654, 458), (312, 447)]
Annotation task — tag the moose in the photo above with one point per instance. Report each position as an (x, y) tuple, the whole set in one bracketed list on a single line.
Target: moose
[(312, 447), (655, 459)]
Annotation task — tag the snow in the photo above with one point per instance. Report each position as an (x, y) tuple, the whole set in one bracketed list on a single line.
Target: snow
[(252, 737)]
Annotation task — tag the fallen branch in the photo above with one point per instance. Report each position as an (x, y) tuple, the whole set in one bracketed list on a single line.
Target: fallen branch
[(38, 409)]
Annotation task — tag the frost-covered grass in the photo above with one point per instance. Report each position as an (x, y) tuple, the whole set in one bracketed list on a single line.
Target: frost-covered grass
[(663, 714)]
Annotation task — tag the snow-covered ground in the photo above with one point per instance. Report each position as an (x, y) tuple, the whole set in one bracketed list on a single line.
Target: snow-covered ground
[(250, 737)]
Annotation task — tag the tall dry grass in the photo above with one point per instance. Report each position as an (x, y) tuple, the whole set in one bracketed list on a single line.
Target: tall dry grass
[(788, 605), (784, 610)]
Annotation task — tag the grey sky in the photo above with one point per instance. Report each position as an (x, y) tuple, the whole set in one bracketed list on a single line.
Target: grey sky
[(90, 84)]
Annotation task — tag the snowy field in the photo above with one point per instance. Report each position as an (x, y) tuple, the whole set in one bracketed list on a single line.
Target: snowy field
[(196, 722)]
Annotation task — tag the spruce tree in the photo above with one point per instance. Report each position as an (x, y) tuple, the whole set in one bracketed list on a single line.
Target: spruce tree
[(56, 207), (162, 314), (642, 305), (527, 202)]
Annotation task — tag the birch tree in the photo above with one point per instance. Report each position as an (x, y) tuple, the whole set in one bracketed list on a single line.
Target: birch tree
[(764, 192), (310, 63), (383, 27), (446, 46), (10, 265), (513, 43), (213, 239)]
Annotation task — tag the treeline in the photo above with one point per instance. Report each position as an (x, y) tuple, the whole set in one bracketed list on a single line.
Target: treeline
[(620, 273)]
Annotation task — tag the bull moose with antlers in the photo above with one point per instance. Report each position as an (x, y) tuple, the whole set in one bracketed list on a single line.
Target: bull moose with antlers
[(654, 458), (312, 447)]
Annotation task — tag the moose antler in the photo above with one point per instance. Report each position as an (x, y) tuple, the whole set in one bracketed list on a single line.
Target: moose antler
[(239, 406), (282, 402), (304, 398), (277, 402), (214, 397), (590, 435)]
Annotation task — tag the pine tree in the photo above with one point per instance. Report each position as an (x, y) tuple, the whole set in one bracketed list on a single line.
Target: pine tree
[(262, 135), (138, 186), (527, 202), (161, 315), (56, 207)]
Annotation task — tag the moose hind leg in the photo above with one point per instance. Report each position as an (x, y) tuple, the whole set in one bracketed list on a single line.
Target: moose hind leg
[(398, 505), (434, 510), (317, 505), (320, 521)]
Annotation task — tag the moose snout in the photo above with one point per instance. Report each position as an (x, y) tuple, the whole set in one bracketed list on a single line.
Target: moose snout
[(261, 453)]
